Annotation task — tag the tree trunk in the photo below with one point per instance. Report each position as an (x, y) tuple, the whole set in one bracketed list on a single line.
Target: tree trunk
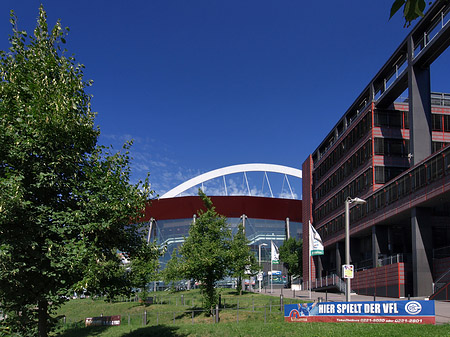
[(43, 318)]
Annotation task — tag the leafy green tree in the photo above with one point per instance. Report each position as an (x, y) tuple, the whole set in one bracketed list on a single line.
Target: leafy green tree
[(65, 204), (174, 269), (205, 252), (291, 256), (412, 9), (243, 261), (144, 267)]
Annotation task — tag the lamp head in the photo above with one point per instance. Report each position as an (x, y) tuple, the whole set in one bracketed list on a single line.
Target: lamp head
[(357, 201)]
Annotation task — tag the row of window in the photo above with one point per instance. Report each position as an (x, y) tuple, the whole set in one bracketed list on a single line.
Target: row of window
[(358, 159), (358, 132), (356, 187), (430, 171), (391, 147), (391, 119), (440, 122), (400, 119), (438, 145), (385, 173)]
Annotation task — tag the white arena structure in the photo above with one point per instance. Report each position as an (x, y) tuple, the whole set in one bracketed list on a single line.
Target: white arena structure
[(223, 172), (266, 218)]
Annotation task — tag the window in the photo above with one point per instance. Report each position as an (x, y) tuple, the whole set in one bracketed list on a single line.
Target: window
[(447, 123), (436, 121), (388, 118)]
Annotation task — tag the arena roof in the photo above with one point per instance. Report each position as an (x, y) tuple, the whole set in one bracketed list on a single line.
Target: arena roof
[(242, 168)]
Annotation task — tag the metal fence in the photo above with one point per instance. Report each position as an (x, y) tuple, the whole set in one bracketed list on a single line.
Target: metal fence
[(231, 310)]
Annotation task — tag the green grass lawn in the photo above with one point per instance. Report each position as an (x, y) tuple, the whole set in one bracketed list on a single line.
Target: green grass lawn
[(242, 315)]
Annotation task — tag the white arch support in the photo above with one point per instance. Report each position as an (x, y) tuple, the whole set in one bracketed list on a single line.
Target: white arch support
[(242, 168)]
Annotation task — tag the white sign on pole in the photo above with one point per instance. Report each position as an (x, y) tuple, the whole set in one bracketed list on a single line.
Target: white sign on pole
[(260, 276), (348, 271)]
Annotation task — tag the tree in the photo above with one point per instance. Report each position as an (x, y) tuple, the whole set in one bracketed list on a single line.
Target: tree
[(174, 269), (412, 9), (291, 256), (205, 253), (65, 204), (144, 267), (243, 261)]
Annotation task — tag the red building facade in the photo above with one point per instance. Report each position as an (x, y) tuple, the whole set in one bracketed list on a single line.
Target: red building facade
[(393, 153)]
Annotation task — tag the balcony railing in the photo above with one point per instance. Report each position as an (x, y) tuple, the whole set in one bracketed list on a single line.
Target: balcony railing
[(431, 170), (328, 281)]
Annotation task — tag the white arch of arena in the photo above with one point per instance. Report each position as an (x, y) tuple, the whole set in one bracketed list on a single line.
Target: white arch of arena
[(242, 168)]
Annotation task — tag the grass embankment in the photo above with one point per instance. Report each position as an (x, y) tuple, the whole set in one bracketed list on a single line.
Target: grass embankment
[(180, 315)]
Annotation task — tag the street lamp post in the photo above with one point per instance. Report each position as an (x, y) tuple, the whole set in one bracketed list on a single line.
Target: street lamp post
[(349, 201), (259, 252)]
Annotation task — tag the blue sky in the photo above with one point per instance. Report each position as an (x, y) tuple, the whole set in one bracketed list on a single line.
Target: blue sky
[(205, 84)]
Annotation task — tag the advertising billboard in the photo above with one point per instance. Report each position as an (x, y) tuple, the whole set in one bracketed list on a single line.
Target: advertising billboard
[(414, 312)]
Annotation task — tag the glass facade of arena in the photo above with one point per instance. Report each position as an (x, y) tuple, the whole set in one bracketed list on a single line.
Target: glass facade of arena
[(259, 231)]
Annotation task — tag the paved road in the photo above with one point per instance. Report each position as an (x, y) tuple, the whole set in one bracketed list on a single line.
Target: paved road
[(442, 308)]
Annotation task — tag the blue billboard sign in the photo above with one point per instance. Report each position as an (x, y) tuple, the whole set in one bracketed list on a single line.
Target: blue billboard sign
[(415, 312)]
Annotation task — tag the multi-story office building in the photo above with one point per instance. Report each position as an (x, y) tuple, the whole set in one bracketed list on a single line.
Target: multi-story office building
[(393, 153)]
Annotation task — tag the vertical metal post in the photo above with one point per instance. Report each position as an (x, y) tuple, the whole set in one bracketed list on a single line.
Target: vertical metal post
[(347, 247), (242, 279), (259, 260), (271, 266), (348, 201)]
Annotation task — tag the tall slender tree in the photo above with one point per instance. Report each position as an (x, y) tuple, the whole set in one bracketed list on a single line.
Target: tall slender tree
[(174, 270), (65, 204), (243, 260), (291, 256), (144, 267), (205, 253)]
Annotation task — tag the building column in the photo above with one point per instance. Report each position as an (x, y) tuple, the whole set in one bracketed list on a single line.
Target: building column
[(319, 266), (151, 228), (288, 229), (339, 254), (380, 243), (419, 88), (421, 236), (375, 247)]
